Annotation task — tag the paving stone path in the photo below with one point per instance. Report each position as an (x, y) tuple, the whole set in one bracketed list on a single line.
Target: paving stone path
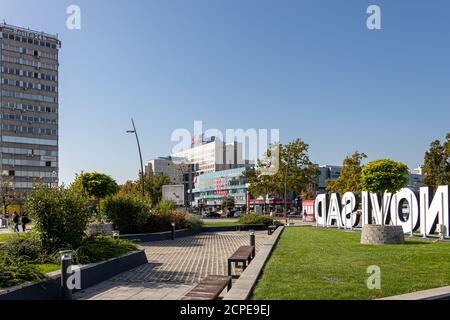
[(174, 267)]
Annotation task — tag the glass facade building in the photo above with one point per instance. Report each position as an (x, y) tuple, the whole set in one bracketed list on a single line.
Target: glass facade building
[(214, 187)]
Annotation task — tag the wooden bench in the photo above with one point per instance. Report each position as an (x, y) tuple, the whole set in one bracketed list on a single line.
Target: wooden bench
[(244, 254), (209, 288), (281, 220)]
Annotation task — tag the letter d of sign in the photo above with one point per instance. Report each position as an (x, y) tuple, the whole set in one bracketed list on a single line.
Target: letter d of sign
[(320, 209)]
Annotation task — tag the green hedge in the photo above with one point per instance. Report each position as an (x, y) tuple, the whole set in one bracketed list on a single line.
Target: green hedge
[(128, 213), (256, 219), (131, 214), (101, 248)]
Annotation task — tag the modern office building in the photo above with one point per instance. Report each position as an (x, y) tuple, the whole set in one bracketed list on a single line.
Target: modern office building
[(327, 172), (415, 179), (212, 188), (213, 155), (29, 107), (179, 172)]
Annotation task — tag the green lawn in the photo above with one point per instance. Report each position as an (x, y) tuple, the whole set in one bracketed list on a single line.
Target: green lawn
[(310, 263), (5, 236)]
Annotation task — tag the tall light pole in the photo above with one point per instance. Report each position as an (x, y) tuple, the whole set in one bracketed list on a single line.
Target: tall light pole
[(285, 189), (140, 155)]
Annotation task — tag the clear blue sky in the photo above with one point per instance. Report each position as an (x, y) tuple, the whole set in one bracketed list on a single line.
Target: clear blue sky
[(310, 68)]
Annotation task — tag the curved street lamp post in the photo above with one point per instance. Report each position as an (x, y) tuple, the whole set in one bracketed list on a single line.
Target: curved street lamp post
[(140, 155)]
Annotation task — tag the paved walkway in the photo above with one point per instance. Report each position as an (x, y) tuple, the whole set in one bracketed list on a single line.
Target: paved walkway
[(174, 267)]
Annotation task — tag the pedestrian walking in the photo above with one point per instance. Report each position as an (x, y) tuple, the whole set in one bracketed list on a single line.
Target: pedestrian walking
[(25, 220), (16, 222)]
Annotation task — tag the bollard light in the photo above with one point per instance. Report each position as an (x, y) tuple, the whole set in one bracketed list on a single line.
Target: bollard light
[(173, 230), (253, 241), (116, 234), (66, 262)]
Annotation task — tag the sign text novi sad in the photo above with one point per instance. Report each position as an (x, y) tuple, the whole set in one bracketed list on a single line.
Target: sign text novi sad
[(426, 211)]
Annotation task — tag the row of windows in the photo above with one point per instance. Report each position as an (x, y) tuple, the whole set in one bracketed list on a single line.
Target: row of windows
[(28, 96), (29, 85), (28, 40), (45, 142), (23, 185), (30, 152), (31, 174), (28, 107), (29, 163), (29, 185), (32, 52), (22, 117), (32, 63), (29, 74), (30, 130)]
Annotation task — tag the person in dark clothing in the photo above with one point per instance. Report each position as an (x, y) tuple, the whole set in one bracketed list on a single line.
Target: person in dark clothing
[(16, 222), (25, 220)]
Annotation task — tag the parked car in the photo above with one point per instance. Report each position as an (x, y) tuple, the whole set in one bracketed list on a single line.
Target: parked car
[(213, 214), (234, 214)]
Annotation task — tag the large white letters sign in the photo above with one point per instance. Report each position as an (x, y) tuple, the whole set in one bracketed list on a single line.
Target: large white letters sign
[(426, 210)]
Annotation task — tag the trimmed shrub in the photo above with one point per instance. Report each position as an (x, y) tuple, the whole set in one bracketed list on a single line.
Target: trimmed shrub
[(194, 222), (27, 247), (163, 222), (15, 271), (128, 213), (164, 207), (60, 216), (100, 248), (256, 219)]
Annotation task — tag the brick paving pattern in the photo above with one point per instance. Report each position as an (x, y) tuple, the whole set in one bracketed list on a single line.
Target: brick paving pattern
[(174, 267)]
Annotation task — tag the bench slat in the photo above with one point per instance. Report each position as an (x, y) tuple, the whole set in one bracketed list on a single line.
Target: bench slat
[(243, 253), (209, 288)]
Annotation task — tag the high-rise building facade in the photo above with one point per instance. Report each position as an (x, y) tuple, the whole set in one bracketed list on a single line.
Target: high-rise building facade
[(212, 156), (29, 107)]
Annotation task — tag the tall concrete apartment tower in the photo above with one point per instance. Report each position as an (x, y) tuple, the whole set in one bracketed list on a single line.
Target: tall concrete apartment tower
[(29, 107)]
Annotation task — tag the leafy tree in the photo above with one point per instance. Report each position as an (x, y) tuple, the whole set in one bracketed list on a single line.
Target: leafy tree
[(128, 188), (153, 187), (8, 194), (382, 176), (350, 178), (96, 185), (228, 203), (128, 213), (436, 168), (60, 216), (294, 167)]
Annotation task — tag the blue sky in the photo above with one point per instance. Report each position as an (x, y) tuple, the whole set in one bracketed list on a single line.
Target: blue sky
[(309, 68)]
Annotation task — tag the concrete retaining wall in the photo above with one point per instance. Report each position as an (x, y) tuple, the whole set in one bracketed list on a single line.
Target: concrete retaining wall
[(243, 287), (432, 294), (90, 275), (159, 236)]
